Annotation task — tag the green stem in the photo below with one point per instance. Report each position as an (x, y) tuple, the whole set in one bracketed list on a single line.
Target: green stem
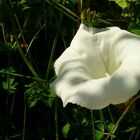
[(110, 115), (102, 118), (56, 123), (121, 117), (93, 128), (23, 76), (27, 62), (3, 32), (24, 119)]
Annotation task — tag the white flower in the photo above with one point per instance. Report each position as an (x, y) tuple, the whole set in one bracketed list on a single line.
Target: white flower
[(101, 67)]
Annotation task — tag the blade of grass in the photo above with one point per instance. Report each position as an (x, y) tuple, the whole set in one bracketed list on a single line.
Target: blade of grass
[(34, 37), (17, 21), (110, 115), (52, 55), (55, 43), (66, 11), (131, 136), (137, 135), (21, 32), (103, 119)]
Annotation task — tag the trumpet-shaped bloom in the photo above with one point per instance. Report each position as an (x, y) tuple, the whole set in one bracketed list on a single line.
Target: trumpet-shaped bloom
[(101, 67)]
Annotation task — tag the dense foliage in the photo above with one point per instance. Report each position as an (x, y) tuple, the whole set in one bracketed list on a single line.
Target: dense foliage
[(32, 35)]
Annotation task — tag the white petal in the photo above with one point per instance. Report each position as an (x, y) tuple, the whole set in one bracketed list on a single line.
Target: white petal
[(82, 70)]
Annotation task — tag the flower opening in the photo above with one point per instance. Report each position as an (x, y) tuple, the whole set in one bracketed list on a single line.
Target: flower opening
[(101, 67)]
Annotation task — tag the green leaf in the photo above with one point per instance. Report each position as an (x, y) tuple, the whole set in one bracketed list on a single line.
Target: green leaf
[(98, 135), (84, 121), (6, 47), (137, 1), (101, 127), (34, 102), (121, 3), (65, 130), (134, 28), (26, 9), (72, 2), (9, 84), (48, 98), (33, 93), (110, 126), (135, 31)]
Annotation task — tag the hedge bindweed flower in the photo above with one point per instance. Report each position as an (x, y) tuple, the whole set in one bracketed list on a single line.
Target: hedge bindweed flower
[(101, 67)]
